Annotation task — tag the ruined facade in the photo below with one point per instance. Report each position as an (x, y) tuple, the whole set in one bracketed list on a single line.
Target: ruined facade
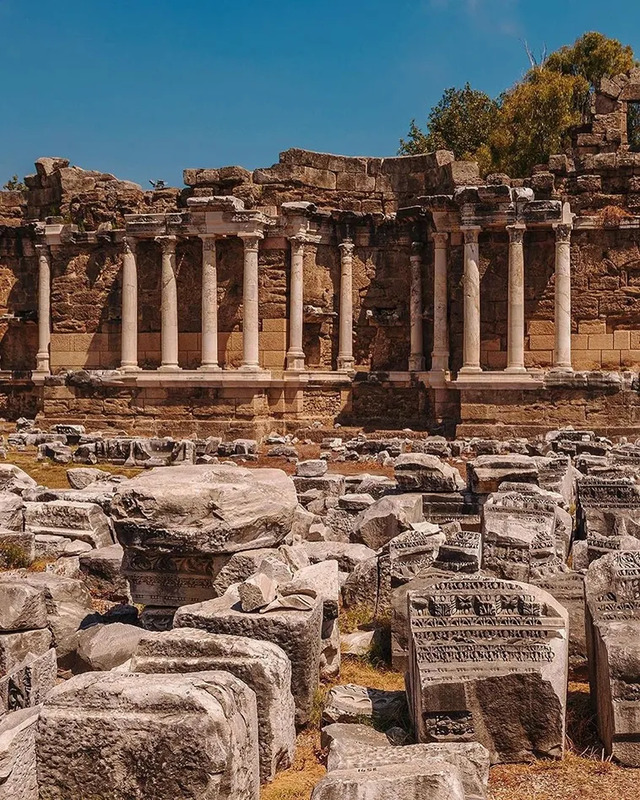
[(387, 292)]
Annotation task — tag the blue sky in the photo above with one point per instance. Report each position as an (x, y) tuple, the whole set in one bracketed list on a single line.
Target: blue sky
[(145, 88)]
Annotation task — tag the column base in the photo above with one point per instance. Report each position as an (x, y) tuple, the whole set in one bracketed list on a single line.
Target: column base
[(439, 362), (295, 362), (561, 368), (250, 368), (470, 370), (516, 370), (346, 363), (169, 368), (416, 364), (209, 368), (129, 368)]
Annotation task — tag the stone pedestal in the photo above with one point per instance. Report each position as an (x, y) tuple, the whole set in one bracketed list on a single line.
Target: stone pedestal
[(169, 312), (295, 353), (209, 304), (471, 336), (129, 345), (250, 319), (562, 352), (440, 352), (416, 359), (515, 310), (44, 308), (345, 334)]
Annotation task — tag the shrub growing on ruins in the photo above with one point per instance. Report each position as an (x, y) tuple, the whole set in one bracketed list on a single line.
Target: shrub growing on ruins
[(529, 121)]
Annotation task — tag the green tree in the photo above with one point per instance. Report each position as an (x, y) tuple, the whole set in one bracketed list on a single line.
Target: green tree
[(592, 57), (461, 122), (14, 185)]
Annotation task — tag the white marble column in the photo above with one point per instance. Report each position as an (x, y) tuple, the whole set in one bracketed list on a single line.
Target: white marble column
[(562, 353), (416, 359), (471, 335), (295, 353), (43, 363), (345, 310), (515, 300), (209, 356), (169, 305), (250, 317), (129, 323), (440, 352)]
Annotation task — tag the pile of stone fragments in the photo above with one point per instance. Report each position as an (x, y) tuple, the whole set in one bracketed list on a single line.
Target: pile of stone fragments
[(498, 564)]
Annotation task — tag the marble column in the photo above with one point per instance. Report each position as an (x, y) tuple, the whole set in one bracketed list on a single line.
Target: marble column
[(129, 332), (440, 352), (209, 356), (169, 305), (43, 363), (250, 318), (295, 353), (345, 311), (416, 359), (471, 282), (515, 300), (562, 353)]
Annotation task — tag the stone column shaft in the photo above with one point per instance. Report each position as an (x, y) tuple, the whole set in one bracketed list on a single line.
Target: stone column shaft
[(169, 304), (129, 332), (43, 363), (345, 310), (295, 353), (440, 352), (562, 353), (250, 315), (416, 359), (515, 308), (471, 336), (209, 356)]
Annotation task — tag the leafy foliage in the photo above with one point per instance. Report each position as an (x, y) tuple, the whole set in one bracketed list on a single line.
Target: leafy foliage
[(14, 185), (529, 121)]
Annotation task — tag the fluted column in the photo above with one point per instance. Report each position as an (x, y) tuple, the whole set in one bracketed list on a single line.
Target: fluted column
[(515, 300), (209, 356), (169, 305), (440, 352), (250, 318), (43, 363), (471, 335), (345, 310), (295, 353), (416, 359), (129, 332), (562, 353)]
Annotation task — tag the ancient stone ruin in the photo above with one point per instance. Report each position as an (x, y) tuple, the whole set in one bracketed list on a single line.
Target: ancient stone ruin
[(371, 417)]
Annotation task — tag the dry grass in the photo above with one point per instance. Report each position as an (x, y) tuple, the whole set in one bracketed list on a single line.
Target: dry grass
[(54, 476)]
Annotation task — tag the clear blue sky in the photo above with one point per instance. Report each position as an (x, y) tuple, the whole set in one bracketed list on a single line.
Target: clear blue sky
[(145, 88)]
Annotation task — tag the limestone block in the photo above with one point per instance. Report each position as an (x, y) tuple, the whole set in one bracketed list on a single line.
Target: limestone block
[(613, 627), (361, 587), (330, 652), (105, 562), (29, 682), (13, 479), (386, 518), (329, 484), (263, 666), (240, 566), (11, 511), (436, 780), (22, 607), (297, 632), (257, 592), (356, 644), (18, 775), (198, 734), (102, 647), (413, 551), (81, 477), (482, 650), (486, 473), (351, 703), (313, 468), (346, 554), (421, 472), (18, 646), (322, 579), (72, 520)]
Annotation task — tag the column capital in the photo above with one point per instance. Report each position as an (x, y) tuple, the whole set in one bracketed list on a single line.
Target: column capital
[(471, 233), (416, 250), (440, 239), (208, 241), (251, 240), (297, 243), (516, 232), (129, 244), (42, 248), (346, 247), (167, 243), (563, 232)]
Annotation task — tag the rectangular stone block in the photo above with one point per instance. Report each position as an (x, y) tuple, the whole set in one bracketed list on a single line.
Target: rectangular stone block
[(579, 341), (18, 755), (622, 340), (601, 341), (592, 326), (541, 327), (541, 342)]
